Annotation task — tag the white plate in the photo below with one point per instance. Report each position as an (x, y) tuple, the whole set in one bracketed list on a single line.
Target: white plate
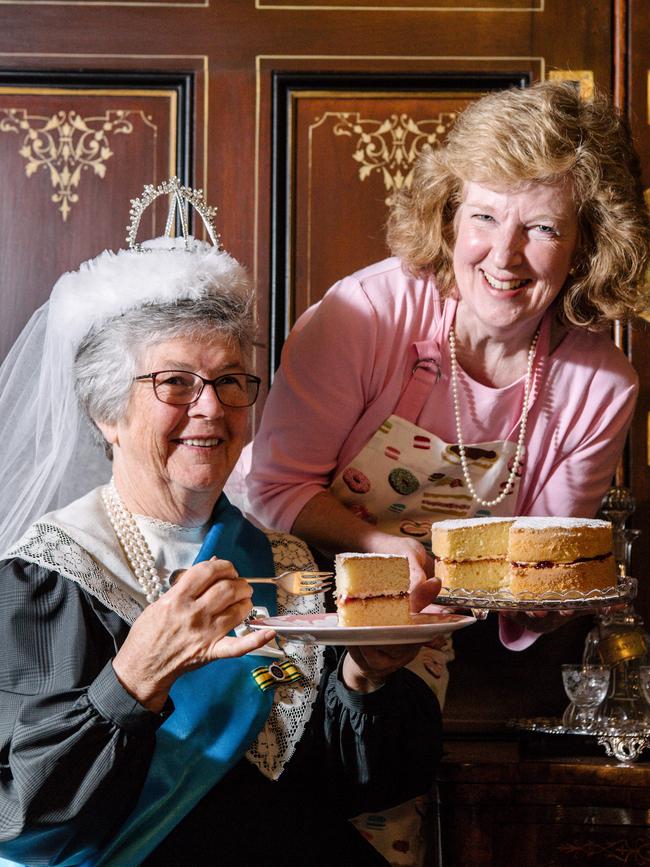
[(324, 629)]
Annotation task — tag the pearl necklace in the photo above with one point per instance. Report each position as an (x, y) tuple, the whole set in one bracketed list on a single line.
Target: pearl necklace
[(522, 424), (134, 545)]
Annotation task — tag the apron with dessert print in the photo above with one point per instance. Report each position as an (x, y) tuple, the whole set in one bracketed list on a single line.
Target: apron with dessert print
[(403, 480)]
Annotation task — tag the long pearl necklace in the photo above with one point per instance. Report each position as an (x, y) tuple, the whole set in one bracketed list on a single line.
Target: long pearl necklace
[(522, 424), (134, 545)]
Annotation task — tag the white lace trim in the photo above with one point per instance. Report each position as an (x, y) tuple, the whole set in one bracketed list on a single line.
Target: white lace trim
[(292, 704), (50, 547), (166, 527)]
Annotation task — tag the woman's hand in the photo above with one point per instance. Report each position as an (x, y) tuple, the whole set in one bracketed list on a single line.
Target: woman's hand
[(424, 587), (365, 668), (326, 524), (184, 629)]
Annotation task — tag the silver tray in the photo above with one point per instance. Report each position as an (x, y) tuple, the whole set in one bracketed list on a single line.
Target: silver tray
[(504, 600), (551, 726), (624, 742)]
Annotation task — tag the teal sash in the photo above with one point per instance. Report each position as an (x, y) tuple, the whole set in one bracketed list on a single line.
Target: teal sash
[(219, 711)]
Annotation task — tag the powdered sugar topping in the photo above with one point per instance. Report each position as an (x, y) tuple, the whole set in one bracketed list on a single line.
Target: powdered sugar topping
[(459, 523), (539, 523)]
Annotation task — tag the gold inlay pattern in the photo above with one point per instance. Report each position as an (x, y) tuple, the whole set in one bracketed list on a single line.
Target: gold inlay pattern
[(632, 851), (584, 77), (66, 144), (389, 147)]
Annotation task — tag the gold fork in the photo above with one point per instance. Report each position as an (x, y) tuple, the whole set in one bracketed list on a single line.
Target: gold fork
[(298, 583)]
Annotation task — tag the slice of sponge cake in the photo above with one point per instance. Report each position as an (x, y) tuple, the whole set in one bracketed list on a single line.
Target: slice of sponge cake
[(471, 553), (372, 590)]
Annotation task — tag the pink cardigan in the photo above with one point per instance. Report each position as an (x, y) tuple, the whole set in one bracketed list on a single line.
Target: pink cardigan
[(345, 364)]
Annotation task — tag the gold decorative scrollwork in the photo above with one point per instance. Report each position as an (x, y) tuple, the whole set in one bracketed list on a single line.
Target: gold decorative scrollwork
[(65, 144), (635, 852), (391, 146)]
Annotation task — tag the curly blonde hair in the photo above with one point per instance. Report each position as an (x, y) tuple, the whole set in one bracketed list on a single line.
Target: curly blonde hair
[(543, 134)]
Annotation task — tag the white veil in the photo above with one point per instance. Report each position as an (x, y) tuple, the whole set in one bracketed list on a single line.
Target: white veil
[(48, 455)]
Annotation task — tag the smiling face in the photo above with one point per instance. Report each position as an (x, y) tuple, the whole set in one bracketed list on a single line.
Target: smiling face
[(512, 255), (171, 462)]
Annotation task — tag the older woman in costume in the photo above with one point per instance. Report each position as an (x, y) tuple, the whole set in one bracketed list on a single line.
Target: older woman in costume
[(132, 726), (472, 373)]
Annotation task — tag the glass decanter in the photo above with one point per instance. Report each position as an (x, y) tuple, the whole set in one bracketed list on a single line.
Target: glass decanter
[(618, 640)]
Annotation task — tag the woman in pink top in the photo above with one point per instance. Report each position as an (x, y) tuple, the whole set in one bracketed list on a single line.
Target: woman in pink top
[(472, 374), (518, 243)]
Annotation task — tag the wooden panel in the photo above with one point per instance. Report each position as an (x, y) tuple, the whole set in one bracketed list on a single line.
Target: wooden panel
[(353, 152), (543, 838), (499, 807), (72, 158), (343, 147)]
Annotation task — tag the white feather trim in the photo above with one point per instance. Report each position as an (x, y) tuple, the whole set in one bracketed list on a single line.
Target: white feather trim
[(112, 283)]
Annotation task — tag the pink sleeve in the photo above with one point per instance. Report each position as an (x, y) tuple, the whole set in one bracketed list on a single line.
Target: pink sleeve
[(318, 394), (578, 480), (515, 637)]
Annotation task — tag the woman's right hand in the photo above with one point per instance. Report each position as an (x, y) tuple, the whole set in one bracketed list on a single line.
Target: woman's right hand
[(185, 629), (424, 587), (328, 525)]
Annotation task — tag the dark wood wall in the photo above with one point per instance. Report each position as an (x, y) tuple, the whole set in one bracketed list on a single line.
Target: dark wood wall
[(299, 120)]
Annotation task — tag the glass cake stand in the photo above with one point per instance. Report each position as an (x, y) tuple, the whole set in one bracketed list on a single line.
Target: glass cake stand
[(481, 602), (625, 742)]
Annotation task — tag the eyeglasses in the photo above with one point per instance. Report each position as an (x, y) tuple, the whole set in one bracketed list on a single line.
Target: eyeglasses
[(182, 387)]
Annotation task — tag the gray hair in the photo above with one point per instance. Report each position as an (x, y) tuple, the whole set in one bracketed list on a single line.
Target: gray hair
[(107, 358)]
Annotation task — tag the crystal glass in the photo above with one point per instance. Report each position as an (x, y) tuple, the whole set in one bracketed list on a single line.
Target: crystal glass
[(586, 687)]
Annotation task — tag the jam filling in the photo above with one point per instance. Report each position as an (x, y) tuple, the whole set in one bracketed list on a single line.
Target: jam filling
[(343, 600), (549, 564), (542, 564)]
